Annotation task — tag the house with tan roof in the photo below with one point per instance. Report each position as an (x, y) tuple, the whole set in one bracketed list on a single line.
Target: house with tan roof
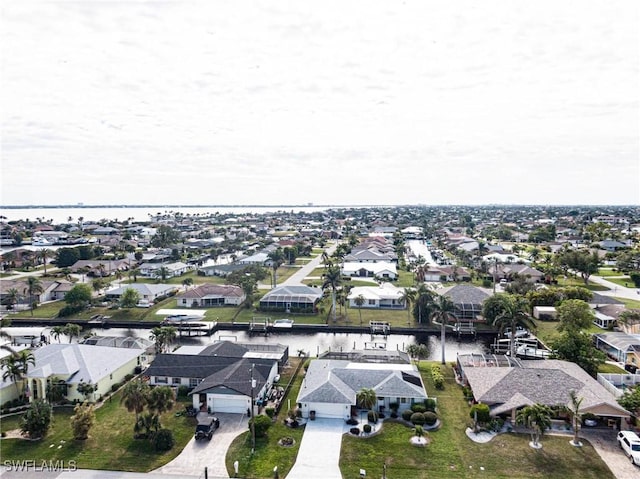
[(209, 295)]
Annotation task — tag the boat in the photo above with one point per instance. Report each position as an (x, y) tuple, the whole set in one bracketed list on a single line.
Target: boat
[(520, 332), (181, 319), (525, 351), (41, 241), (283, 323)]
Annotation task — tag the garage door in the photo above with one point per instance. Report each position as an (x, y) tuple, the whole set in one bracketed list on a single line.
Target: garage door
[(232, 404), (325, 410)]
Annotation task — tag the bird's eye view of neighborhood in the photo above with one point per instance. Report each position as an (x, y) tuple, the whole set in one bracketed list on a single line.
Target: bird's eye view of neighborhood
[(415, 341), (277, 239)]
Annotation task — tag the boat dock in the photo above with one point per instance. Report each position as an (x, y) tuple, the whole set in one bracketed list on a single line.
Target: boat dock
[(259, 325), (525, 348), (379, 327)]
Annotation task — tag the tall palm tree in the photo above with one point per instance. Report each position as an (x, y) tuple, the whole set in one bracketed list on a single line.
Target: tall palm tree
[(135, 395), (442, 311), (277, 258), (43, 255), (34, 286), (332, 279), (574, 410), (536, 417), (508, 310), (359, 301), (12, 370), (422, 303), (407, 298)]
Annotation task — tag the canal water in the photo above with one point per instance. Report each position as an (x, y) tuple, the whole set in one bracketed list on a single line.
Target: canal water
[(314, 343)]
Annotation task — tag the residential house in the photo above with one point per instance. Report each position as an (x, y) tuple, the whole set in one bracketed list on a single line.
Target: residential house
[(621, 347), (384, 296), (208, 295), (171, 270), (380, 270), (222, 377), (146, 291), (291, 299), (329, 387), (512, 270), (468, 301), (73, 364), (507, 385), (222, 270), (445, 273), (100, 268)]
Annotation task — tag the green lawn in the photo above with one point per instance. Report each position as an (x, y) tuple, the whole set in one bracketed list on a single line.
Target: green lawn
[(110, 445)]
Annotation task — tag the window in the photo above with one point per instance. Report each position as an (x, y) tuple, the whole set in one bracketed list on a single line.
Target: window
[(162, 380), (193, 382), (372, 302), (175, 380), (403, 400)]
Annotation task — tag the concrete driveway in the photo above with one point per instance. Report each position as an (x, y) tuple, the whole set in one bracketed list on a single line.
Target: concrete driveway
[(210, 454), (606, 445), (319, 453)]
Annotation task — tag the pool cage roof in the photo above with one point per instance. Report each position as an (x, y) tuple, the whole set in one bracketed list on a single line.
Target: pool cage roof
[(480, 360)]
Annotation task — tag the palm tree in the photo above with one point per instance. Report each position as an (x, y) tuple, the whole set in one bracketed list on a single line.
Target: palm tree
[(187, 282), (359, 301), (332, 279), (536, 417), (442, 311), (57, 331), (135, 396), (12, 370), (34, 286), (163, 272), (508, 310), (12, 297), (422, 303), (72, 330), (407, 298), (161, 399), (43, 255), (574, 410), (277, 258), (366, 398)]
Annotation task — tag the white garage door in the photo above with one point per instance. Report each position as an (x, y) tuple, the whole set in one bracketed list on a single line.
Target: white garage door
[(340, 411), (232, 404)]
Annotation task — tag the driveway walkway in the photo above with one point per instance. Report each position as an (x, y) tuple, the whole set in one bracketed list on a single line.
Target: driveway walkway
[(605, 444), (210, 454), (319, 452)]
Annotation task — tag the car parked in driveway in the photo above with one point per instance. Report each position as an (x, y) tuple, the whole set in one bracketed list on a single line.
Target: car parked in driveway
[(205, 427), (629, 442)]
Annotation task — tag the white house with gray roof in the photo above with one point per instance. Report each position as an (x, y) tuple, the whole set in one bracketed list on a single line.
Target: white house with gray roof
[(73, 364), (147, 291), (330, 387)]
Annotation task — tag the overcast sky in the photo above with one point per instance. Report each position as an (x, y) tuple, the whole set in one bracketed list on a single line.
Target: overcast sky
[(330, 102)]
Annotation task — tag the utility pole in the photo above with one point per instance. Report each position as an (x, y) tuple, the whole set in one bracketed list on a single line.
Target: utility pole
[(252, 419)]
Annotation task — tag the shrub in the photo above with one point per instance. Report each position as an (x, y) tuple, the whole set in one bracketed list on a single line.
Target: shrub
[(163, 440), (417, 418), (367, 428), (496, 424), (128, 377), (430, 418), (352, 422), (394, 414), (437, 376), (394, 406), (183, 391), (481, 412), (262, 425), (467, 393), (372, 416), (418, 407), (37, 420), (114, 387), (406, 414), (355, 431), (270, 411), (430, 404)]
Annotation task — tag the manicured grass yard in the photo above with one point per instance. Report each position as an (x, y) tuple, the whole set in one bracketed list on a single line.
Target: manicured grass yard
[(452, 455), (110, 445)]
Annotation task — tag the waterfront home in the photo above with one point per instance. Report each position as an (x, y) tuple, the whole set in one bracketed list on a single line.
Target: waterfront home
[(467, 300), (302, 299), (621, 347), (384, 296), (146, 291), (208, 295), (99, 268), (171, 270), (329, 387), (507, 385)]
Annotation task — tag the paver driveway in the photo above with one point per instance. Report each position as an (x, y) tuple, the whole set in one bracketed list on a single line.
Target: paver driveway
[(197, 455)]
